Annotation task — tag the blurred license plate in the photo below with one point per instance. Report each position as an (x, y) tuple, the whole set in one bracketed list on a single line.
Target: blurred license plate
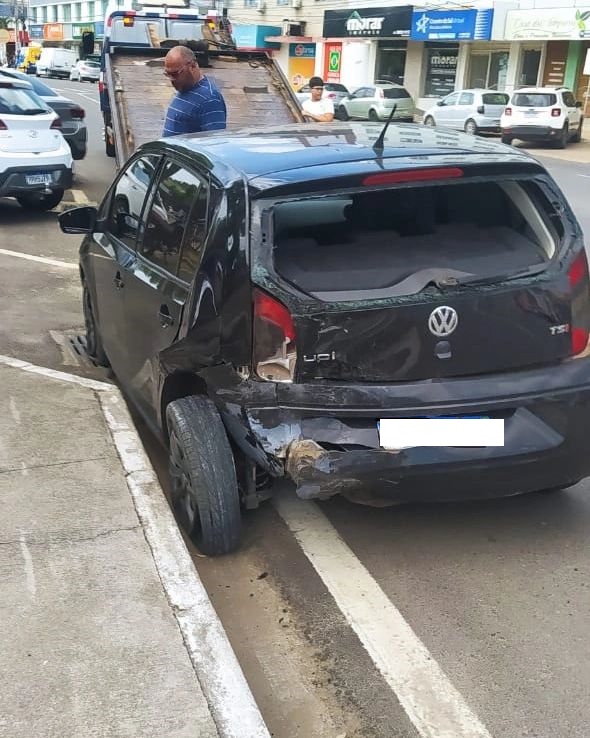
[(467, 431), (33, 179), (530, 113)]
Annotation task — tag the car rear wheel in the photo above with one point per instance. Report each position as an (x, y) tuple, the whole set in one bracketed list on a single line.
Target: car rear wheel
[(373, 115), (562, 140), (470, 127), (578, 134), (94, 347), (429, 121), (204, 484), (39, 201), (341, 113), (507, 140)]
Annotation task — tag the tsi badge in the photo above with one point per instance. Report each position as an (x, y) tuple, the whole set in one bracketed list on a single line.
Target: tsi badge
[(443, 321)]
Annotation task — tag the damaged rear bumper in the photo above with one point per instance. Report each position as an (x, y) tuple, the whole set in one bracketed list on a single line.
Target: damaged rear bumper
[(325, 437)]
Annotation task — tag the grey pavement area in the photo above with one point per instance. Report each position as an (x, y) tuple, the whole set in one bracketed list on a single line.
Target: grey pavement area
[(90, 642)]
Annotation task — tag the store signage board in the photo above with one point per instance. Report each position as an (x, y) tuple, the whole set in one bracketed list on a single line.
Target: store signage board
[(381, 22), (547, 23), (452, 25)]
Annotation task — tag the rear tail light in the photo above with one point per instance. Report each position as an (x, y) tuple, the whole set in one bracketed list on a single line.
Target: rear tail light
[(3, 126), (275, 352), (507, 111), (78, 113), (56, 124), (331, 95), (580, 300), (101, 87), (480, 109), (555, 112)]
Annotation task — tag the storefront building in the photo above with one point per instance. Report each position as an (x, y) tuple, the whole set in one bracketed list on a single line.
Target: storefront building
[(565, 35)]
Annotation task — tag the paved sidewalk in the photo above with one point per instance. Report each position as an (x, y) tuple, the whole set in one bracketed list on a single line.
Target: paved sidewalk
[(579, 152), (106, 629)]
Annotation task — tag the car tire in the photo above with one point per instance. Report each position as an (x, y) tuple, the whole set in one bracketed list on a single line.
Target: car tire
[(204, 484), (470, 127), (506, 140), (429, 122), (109, 146), (39, 202), (373, 115), (341, 113), (562, 141), (578, 134), (94, 347)]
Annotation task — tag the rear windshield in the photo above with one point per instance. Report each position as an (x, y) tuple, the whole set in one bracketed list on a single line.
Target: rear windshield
[(400, 241), (19, 101), (95, 65), (495, 98), (534, 99), (395, 93), (332, 87)]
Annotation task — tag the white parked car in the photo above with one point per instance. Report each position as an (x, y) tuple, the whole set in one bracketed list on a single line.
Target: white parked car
[(472, 111), (35, 159), (375, 102), (543, 114), (85, 70)]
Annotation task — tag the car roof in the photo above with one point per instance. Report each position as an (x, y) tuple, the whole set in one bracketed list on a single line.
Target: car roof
[(36, 84), (257, 153), (543, 90), (6, 81)]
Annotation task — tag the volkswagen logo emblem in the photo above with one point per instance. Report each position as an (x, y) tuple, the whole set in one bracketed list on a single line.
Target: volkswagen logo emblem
[(33, 134), (442, 321)]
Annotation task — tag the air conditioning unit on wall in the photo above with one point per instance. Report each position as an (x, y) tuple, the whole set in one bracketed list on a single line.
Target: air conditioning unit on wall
[(261, 6), (296, 4)]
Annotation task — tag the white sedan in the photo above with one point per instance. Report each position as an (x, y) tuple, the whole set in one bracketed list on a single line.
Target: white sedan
[(35, 159), (85, 70)]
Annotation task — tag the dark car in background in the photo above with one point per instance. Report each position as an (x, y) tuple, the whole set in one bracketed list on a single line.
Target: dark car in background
[(72, 115), (271, 300)]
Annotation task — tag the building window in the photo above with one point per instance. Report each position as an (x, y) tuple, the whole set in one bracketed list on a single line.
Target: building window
[(92, 10), (488, 70), (250, 3), (391, 62), (282, 2), (77, 11), (441, 70), (67, 11)]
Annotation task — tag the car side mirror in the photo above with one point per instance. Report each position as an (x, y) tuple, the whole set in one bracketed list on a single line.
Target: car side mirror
[(440, 103), (579, 104), (79, 220)]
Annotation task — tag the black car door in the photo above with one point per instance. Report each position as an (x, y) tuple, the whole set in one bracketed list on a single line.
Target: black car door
[(159, 286), (113, 251)]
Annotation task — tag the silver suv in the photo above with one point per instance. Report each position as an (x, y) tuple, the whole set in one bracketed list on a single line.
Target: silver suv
[(472, 111), (543, 114), (374, 102)]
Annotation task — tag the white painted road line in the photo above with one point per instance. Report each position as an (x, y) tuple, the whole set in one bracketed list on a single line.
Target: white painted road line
[(431, 702), (218, 672), (41, 259)]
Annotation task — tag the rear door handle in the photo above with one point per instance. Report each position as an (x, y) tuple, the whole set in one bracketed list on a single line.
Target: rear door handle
[(166, 320), (118, 282)]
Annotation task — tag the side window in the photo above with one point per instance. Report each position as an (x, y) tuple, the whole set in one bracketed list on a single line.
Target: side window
[(361, 92), (370, 92), (128, 197), (451, 99), (466, 98), (168, 215), (195, 235), (568, 100)]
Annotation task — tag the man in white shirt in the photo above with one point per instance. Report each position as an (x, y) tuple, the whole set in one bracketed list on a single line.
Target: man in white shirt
[(316, 107)]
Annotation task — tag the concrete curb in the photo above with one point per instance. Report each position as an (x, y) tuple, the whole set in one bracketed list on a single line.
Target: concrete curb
[(220, 676)]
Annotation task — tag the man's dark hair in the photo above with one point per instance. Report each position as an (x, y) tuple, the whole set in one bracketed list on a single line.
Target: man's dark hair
[(316, 82)]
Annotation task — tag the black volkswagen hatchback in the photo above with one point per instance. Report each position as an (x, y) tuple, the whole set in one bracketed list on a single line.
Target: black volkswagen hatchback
[(271, 299)]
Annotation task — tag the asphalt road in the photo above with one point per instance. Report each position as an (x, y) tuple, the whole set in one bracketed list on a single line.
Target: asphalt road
[(350, 621)]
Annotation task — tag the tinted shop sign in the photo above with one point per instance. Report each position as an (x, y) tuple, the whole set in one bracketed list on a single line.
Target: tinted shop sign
[(452, 25), (368, 23), (441, 70)]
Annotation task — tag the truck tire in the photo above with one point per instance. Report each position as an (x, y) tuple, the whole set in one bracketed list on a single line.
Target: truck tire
[(39, 202), (109, 146), (204, 484)]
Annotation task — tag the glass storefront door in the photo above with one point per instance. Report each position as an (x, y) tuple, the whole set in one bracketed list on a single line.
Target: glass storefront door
[(488, 70), (391, 62)]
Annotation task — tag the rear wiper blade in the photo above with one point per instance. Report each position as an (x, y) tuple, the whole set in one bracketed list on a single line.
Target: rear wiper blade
[(468, 281)]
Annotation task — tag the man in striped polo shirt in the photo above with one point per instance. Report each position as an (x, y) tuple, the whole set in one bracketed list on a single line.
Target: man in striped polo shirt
[(198, 105)]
